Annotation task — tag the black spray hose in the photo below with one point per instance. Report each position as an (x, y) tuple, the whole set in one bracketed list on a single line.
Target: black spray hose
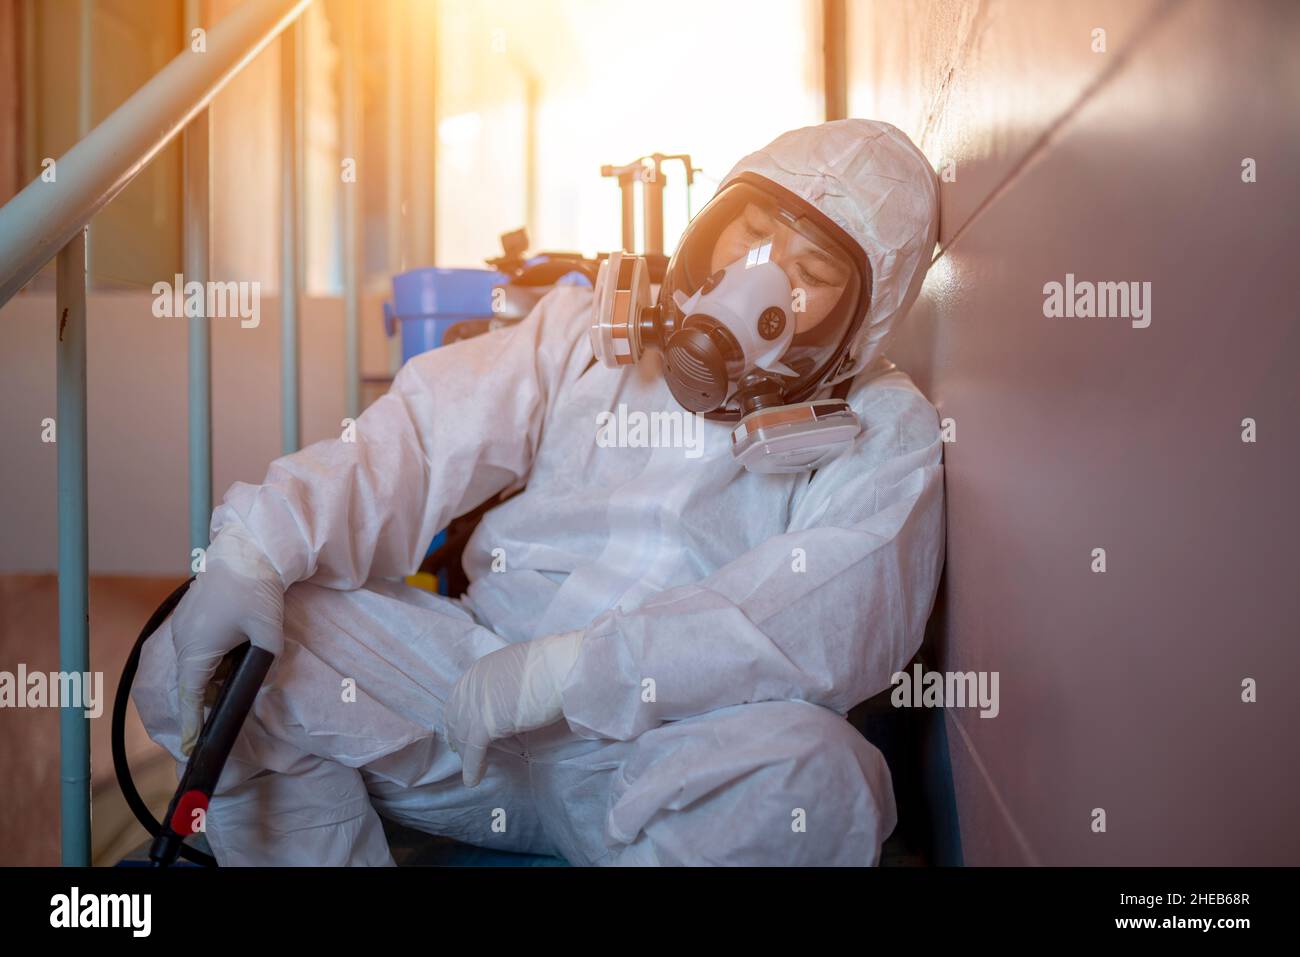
[(197, 784)]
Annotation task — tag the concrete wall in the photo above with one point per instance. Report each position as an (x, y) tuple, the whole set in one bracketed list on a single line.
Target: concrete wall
[(1123, 690)]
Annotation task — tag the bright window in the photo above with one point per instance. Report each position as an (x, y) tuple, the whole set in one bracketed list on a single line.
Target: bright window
[(589, 82)]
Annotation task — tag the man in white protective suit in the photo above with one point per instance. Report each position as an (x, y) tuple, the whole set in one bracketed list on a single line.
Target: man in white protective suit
[(660, 640)]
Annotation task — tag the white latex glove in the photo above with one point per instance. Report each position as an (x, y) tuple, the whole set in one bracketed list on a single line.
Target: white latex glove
[(513, 689), (237, 597)]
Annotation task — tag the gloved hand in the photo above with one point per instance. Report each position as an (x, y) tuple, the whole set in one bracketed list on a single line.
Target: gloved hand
[(513, 689), (238, 596)]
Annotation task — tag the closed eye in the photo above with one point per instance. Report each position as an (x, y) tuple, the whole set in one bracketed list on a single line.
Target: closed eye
[(812, 279)]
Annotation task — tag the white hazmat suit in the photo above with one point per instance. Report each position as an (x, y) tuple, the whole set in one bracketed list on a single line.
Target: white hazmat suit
[(722, 623)]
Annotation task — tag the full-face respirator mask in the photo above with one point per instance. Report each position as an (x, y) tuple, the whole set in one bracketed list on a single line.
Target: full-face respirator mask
[(755, 314)]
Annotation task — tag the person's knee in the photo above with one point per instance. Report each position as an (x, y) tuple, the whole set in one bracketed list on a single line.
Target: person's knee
[(821, 744), (827, 781), (782, 782), (844, 777)]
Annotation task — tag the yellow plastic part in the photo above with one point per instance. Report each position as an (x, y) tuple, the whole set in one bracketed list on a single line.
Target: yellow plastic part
[(425, 580)]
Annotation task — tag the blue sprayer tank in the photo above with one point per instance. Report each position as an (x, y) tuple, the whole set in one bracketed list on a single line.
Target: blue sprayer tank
[(428, 302)]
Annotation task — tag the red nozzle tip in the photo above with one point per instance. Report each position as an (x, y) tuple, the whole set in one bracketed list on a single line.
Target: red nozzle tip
[(183, 819)]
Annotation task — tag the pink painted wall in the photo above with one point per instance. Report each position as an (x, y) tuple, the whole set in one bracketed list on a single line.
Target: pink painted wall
[(1120, 690)]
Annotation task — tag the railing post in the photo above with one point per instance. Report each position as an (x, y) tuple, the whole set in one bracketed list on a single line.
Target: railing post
[(291, 50), (74, 566), (86, 86), (395, 25), (348, 134), (197, 266)]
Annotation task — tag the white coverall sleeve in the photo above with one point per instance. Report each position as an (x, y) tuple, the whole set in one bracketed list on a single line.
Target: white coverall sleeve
[(460, 424), (868, 531)]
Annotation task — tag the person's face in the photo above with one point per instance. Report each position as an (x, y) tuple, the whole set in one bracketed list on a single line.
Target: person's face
[(807, 266)]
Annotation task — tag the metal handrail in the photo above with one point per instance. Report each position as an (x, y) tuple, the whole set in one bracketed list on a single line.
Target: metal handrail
[(45, 216), (49, 218)]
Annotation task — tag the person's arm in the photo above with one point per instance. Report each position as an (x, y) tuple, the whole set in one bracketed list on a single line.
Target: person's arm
[(868, 536), (459, 425)]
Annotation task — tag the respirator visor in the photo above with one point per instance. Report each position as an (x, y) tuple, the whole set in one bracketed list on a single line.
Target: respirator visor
[(762, 296)]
